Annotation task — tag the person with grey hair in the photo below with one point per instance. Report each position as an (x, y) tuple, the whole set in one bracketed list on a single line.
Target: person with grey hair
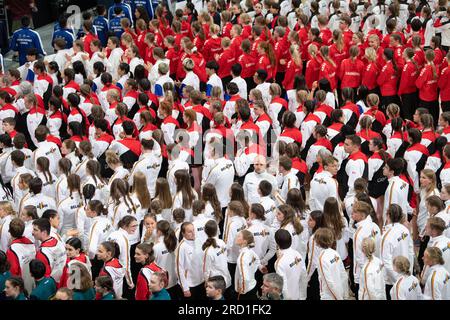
[(163, 72), (272, 288)]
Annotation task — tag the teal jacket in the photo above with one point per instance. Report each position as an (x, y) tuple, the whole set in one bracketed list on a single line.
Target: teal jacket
[(3, 277), (89, 294), (109, 296), (45, 289), (161, 295), (21, 297)]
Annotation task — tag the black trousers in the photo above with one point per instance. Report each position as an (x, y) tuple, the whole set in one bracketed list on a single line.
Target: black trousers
[(225, 81), (445, 105), (198, 292), (387, 100), (232, 269), (423, 247), (250, 84), (96, 266), (433, 107), (251, 295), (409, 105), (313, 290), (388, 292), (175, 292)]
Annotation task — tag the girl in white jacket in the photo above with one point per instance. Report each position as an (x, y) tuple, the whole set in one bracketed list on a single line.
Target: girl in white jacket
[(437, 285), (188, 263), (215, 255), (332, 275), (407, 287), (247, 264), (371, 280)]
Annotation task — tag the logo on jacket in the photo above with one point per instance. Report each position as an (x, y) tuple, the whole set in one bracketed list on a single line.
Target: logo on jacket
[(413, 286), (403, 236), (335, 259), (296, 261)]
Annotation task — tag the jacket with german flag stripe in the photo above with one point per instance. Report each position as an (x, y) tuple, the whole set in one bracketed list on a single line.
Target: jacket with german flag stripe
[(188, 264), (333, 278), (215, 262), (395, 242), (406, 288), (364, 229), (290, 265), (371, 282), (247, 264), (437, 286)]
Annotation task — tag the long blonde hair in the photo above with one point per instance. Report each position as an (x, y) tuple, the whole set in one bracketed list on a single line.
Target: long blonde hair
[(431, 175)]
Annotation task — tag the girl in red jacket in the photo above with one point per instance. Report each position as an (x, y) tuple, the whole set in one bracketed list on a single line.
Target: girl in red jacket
[(267, 60), (371, 71), (294, 67), (444, 84), (427, 83), (407, 89), (328, 67), (387, 80), (312, 66), (338, 50), (144, 256), (351, 70)]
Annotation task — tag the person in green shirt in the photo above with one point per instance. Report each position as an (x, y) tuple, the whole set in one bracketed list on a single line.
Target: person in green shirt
[(82, 286), (15, 289), (156, 287), (4, 272), (104, 288), (45, 286)]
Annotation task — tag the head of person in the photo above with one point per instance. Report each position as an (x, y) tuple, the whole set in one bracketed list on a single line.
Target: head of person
[(361, 211), (37, 269), (433, 256), (41, 229), (63, 294), (157, 282), (352, 144), (14, 286), (144, 254), (104, 285), (325, 238), (215, 287), (272, 287)]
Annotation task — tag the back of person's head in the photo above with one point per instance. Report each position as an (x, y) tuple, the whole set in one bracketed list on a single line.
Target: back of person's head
[(37, 269), (283, 239)]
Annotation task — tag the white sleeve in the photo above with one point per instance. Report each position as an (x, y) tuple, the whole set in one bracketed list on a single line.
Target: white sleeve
[(182, 266), (271, 251), (93, 242)]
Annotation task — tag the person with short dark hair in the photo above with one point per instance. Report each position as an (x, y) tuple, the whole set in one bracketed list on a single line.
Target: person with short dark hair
[(36, 198), (215, 288), (352, 168), (21, 43), (45, 286), (128, 148), (51, 251)]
